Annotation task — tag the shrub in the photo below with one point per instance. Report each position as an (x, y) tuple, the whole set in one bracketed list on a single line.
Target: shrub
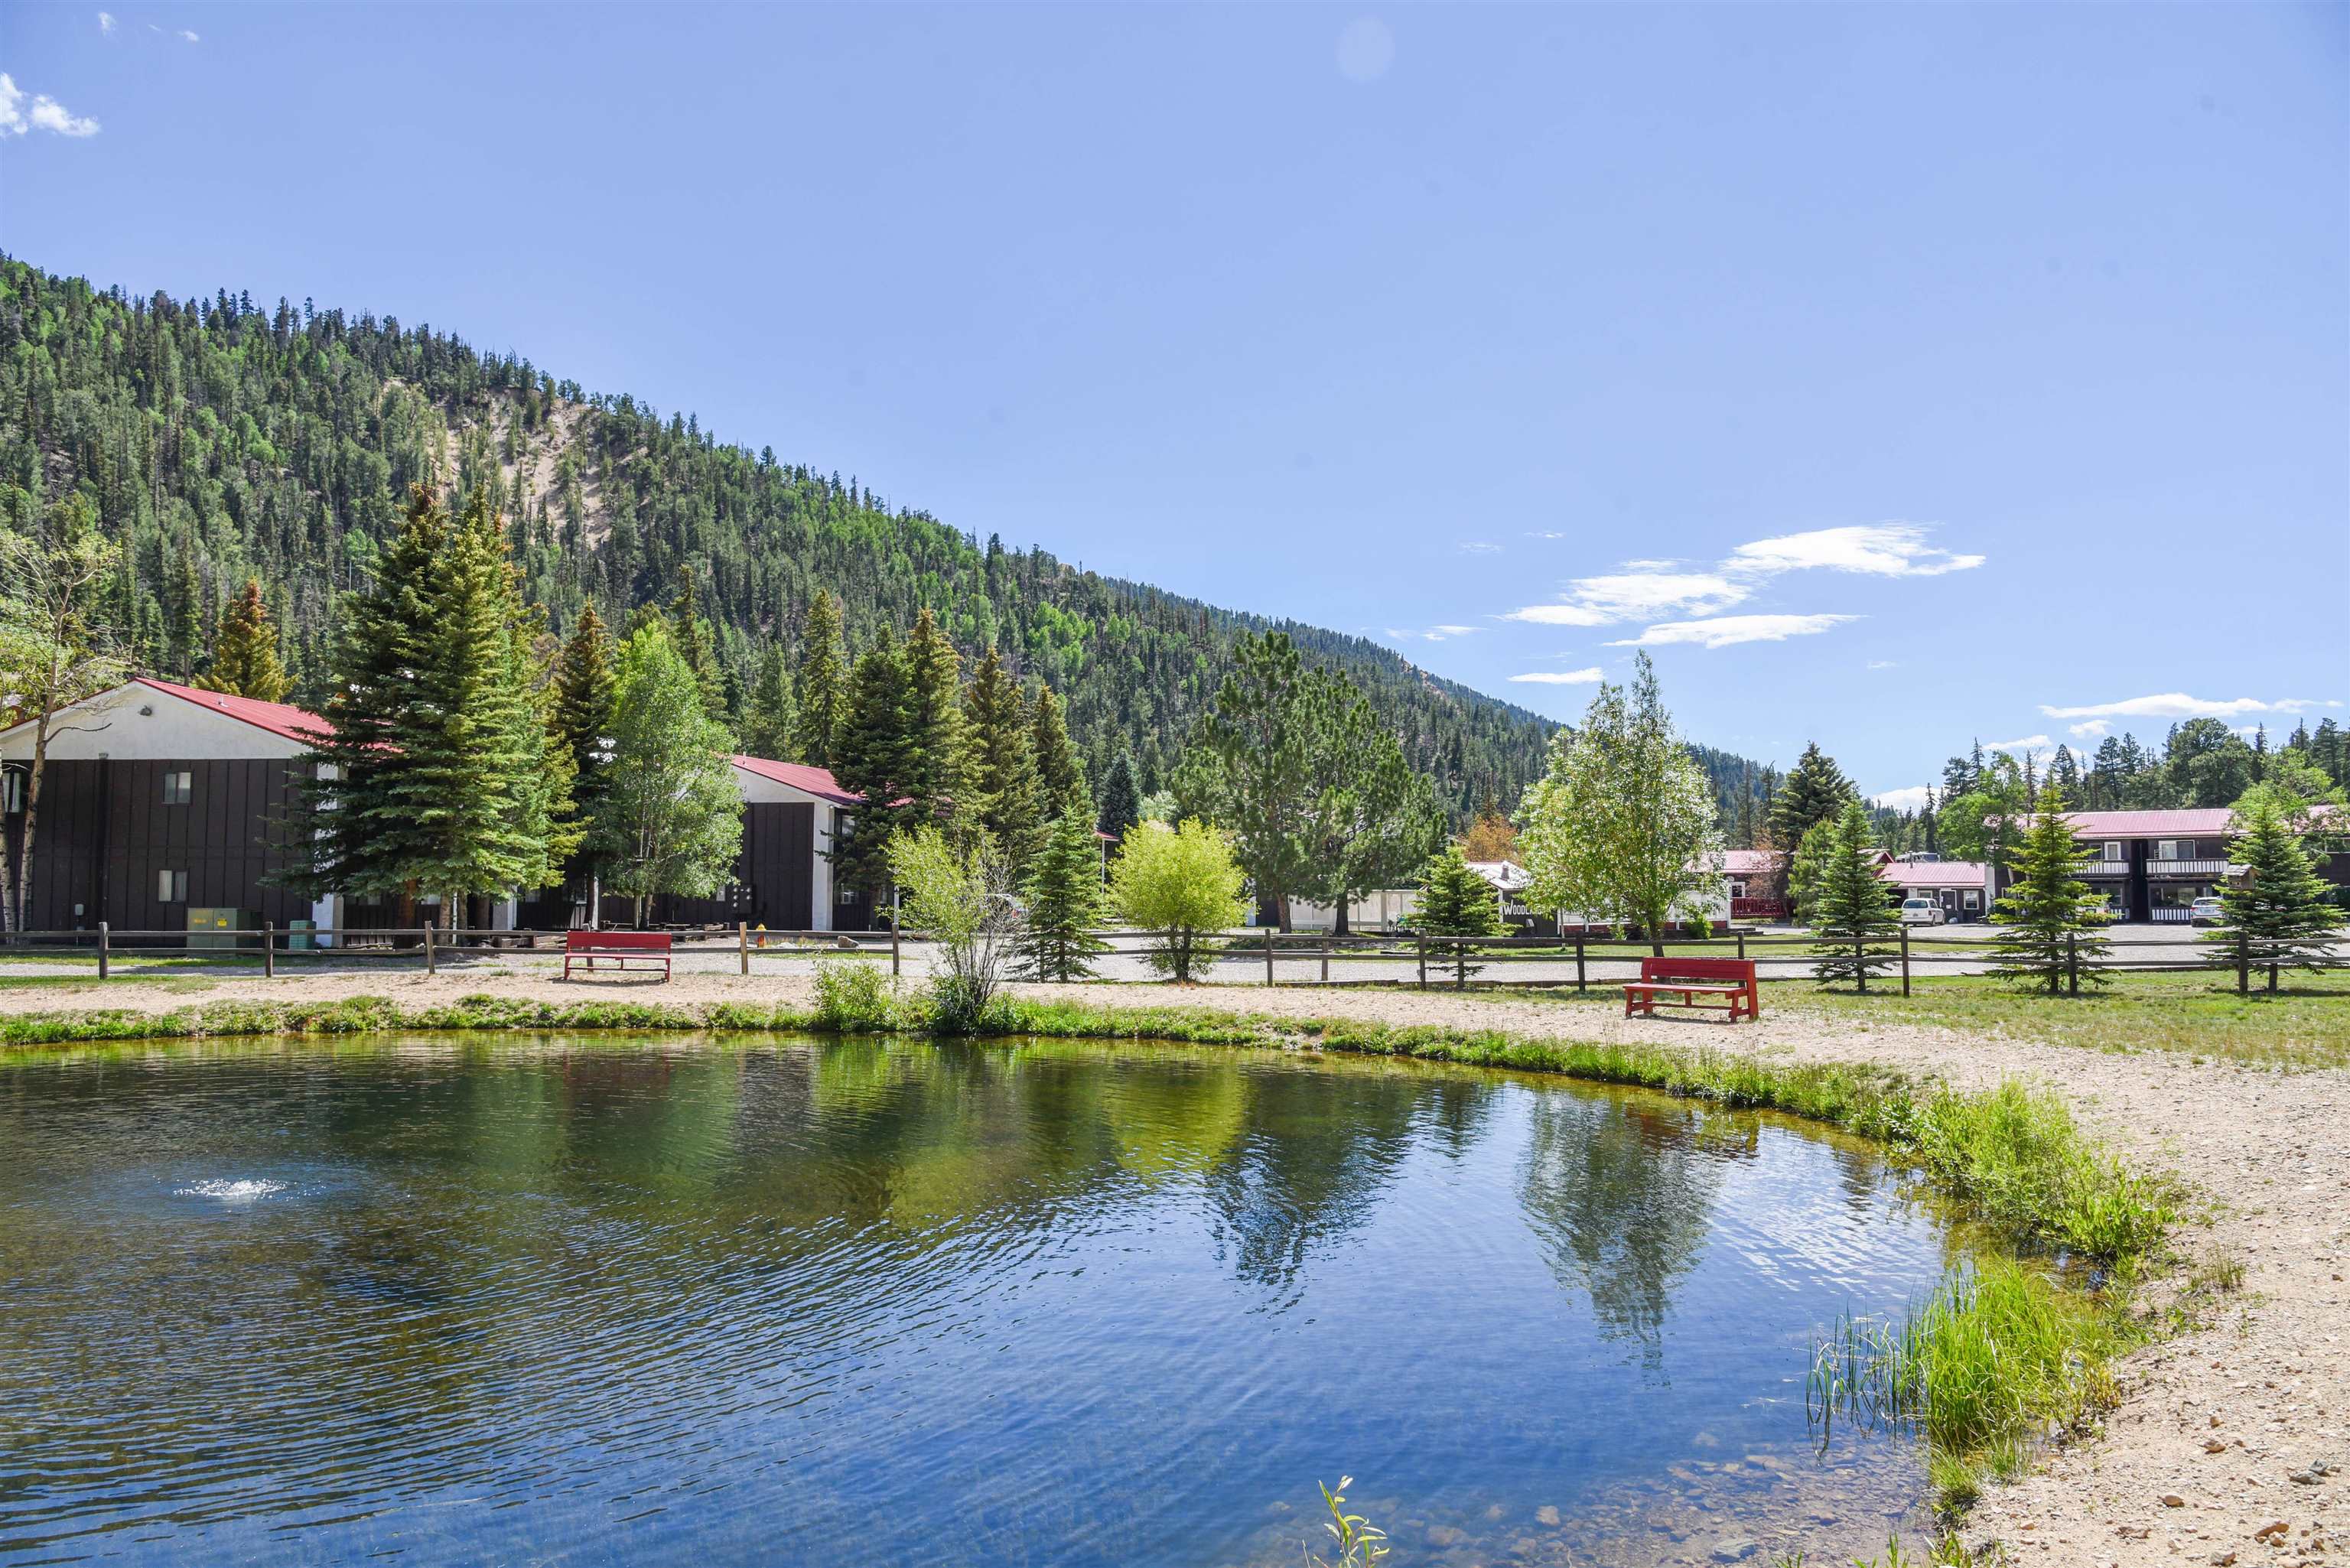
[(1182, 883), (853, 997)]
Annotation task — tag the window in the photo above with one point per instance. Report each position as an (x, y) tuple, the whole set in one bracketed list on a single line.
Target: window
[(849, 895), (2113, 849), (178, 787), (1737, 889), (1974, 899), (12, 791), (170, 887), (2168, 849)]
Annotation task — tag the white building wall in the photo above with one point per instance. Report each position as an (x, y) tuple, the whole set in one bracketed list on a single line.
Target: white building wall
[(141, 722)]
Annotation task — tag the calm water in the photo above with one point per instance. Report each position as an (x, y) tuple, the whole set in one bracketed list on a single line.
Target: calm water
[(847, 1303)]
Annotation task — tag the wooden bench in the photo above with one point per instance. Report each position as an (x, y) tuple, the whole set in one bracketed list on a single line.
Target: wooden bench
[(1730, 980), (646, 948)]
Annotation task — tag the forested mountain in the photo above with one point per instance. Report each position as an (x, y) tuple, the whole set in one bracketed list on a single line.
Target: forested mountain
[(225, 440)]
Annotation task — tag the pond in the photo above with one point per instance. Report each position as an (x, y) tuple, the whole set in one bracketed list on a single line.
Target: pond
[(739, 1301)]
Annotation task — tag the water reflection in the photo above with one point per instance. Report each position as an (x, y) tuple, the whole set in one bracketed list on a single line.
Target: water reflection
[(865, 1302)]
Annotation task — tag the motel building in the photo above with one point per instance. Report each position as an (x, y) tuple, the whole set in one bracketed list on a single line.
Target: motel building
[(2151, 865), (163, 809), (1962, 888)]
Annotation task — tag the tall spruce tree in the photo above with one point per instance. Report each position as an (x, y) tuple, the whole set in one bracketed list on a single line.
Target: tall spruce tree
[(1814, 793), (1455, 902), (873, 757), (1121, 807), (1065, 901), (244, 660), (1856, 923), (690, 634), (583, 704), (2051, 924), (934, 722), (770, 717), (1001, 761), (2280, 914), (823, 682), (1060, 773)]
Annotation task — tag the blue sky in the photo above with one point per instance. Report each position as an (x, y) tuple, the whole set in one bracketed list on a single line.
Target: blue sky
[(1896, 375)]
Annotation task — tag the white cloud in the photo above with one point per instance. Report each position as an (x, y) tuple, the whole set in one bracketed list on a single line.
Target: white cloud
[(1878, 549), (1480, 547), (2179, 705), (1911, 798), (1544, 534), (2091, 730), (106, 21), (1366, 49), (46, 114), (1633, 595), (2029, 743), (1433, 633), (1884, 664), (1723, 631), (1650, 566), (189, 37), (1561, 677)]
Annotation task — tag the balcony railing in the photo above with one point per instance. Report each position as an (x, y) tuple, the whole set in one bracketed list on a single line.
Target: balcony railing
[(2187, 867), (2106, 868)]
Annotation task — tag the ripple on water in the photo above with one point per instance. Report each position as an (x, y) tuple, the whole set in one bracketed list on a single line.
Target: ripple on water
[(238, 1190)]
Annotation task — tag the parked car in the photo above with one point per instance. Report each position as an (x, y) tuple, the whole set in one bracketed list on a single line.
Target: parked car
[(1922, 912), (2206, 912)]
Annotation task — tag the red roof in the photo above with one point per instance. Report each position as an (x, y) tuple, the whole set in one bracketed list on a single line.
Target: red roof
[(1934, 873), (277, 718), (818, 782), (1750, 862), (2201, 821)]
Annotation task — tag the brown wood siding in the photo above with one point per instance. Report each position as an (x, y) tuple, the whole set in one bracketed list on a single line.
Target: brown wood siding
[(774, 876), (105, 833)]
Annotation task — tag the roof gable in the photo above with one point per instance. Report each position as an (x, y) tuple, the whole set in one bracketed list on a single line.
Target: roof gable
[(802, 776)]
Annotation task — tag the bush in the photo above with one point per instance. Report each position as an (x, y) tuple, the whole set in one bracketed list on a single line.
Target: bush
[(854, 997), (1181, 883)]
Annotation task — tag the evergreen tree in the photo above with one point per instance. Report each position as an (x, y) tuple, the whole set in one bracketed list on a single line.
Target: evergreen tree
[(823, 682), (1814, 792), (1060, 775), (1455, 902), (2048, 915), (692, 637), (1856, 922), (934, 722), (583, 704), (873, 757), (669, 816), (1121, 808), (1807, 872), (244, 660), (1001, 761), (184, 625), (2280, 913), (1065, 901), (770, 718)]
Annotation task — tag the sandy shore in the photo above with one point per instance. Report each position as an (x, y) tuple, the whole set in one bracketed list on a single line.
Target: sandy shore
[(2219, 1419)]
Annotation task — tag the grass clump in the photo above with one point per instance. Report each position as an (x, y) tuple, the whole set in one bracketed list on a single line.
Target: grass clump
[(853, 999), (2016, 1156)]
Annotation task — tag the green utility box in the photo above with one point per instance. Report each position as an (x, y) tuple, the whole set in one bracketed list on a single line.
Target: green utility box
[(217, 927), (300, 938)]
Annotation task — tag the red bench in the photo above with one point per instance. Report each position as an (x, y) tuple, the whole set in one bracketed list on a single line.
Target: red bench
[(646, 948), (1730, 980)]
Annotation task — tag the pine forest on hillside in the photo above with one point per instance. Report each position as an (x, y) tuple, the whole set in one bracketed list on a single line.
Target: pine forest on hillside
[(222, 441)]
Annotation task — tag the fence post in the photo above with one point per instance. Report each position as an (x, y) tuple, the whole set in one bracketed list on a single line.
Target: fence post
[(2073, 963), (1578, 962), (742, 943), (1905, 959), (101, 949), (1325, 960), (1419, 940), (1460, 965), (268, 949), (895, 960), (1742, 942), (1268, 955), (429, 968), (2244, 963)]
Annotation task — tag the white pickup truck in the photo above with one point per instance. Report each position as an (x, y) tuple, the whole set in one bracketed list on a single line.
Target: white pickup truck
[(1921, 912)]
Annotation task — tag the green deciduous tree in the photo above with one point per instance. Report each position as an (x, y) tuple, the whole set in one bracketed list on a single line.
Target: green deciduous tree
[(1182, 883), (244, 660), (822, 684), (959, 897), (1065, 901), (1854, 920), (2051, 923), (2279, 913), (669, 816), (55, 650), (1455, 902), (1623, 825)]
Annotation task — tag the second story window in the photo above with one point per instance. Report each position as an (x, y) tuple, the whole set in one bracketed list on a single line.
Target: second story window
[(2113, 849), (178, 788)]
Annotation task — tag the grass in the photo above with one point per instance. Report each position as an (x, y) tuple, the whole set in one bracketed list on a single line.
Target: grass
[(2199, 1014)]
